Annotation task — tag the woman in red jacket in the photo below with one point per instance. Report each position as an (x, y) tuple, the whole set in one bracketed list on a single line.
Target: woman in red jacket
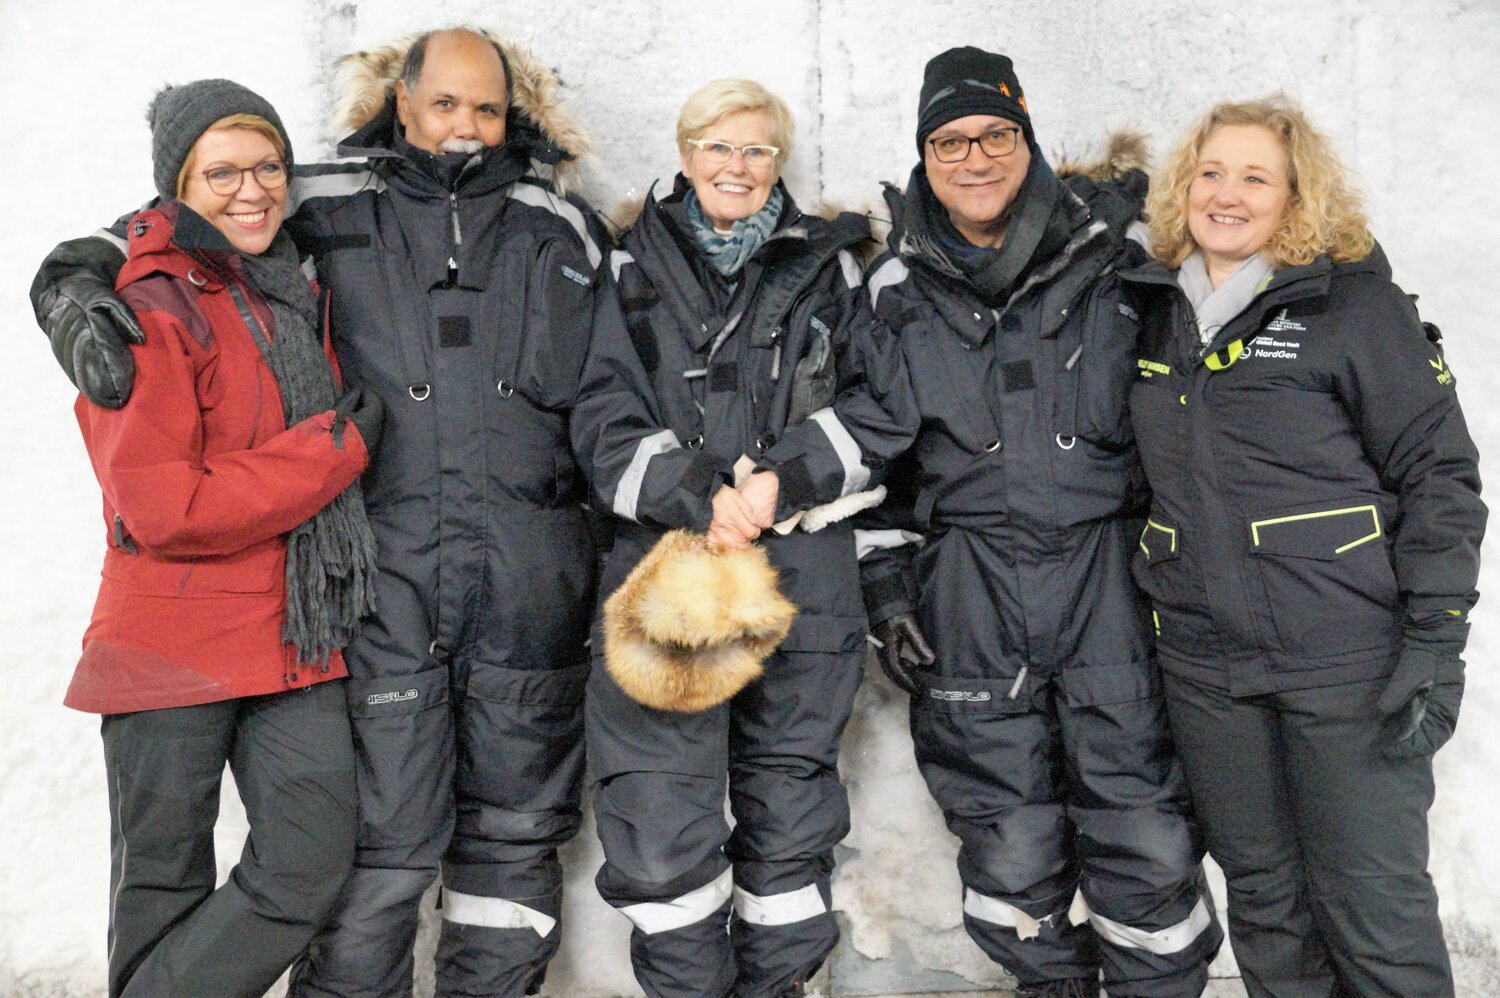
[(239, 561)]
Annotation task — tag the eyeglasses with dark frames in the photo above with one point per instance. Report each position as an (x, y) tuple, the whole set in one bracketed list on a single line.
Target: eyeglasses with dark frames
[(994, 143), (227, 180), (717, 152)]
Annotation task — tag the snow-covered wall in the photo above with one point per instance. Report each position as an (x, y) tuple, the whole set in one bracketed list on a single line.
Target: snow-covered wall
[(1406, 88)]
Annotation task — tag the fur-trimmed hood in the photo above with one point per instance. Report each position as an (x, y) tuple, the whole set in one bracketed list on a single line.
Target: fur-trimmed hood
[(1125, 152), (365, 83)]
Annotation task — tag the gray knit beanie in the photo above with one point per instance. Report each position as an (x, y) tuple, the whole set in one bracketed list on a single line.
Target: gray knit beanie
[(178, 115)]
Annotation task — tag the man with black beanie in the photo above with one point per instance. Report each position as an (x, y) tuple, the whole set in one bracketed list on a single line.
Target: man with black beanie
[(1036, 709)]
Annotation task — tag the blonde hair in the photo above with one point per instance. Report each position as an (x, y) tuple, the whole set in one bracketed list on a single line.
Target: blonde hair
[(1323, 215), (254, 122), (717, 98)]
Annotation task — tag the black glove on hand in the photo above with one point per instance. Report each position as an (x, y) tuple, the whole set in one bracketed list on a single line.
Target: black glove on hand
[(91, 331), (1421, 701), (364, 409), (902, 648), (90, 328)]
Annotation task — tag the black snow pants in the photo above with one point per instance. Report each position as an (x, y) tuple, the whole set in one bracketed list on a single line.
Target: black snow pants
[(171, 934), (466, 694), (671, 863), (1322, 840), (1042, 735)]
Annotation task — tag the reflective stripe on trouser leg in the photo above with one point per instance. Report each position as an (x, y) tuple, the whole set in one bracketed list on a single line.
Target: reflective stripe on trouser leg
[(651, 917), (779, 909), (494, 913), (680, 948), (494, 946), (1042, 947), (998, 912), (1162, 942)]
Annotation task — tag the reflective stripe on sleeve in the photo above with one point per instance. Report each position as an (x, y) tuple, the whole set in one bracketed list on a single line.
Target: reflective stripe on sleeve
[(853, 274), (617, 261), (1162, 942), (779, 909), (331, 185), (628, 492), (856, 475), (539, 197), (867, 541), (893, 271), (494, 913), (663, 916)]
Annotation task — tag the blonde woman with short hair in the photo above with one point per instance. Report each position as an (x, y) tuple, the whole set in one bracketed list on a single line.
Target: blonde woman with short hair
[(744, 315)]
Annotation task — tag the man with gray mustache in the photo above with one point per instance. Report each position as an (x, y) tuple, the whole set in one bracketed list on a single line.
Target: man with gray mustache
[(463, 293)]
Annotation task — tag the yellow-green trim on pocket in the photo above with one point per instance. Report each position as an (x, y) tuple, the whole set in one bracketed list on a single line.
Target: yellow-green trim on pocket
[(1171, 533), (1375, 534)]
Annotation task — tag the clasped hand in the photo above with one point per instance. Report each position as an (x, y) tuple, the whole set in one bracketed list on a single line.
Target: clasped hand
[(742, 512)]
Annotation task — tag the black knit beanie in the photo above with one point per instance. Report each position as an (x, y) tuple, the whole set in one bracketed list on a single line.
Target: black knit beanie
[(967, 81), (178, 115)]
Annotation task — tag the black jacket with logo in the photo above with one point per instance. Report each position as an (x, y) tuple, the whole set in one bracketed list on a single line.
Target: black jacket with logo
[(1315, 489)]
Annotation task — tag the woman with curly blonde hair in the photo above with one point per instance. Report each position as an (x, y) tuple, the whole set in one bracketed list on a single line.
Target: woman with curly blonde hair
[(1311, 552)]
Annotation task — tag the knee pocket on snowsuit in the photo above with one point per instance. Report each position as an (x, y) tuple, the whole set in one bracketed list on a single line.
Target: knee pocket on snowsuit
[(403, 742), (1108, 685), (1115, 727), (662, 833), (520, 747), (1022, 852)]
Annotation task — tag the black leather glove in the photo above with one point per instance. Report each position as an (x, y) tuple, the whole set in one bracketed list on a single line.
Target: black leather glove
[(90, 328), (1420, 702), (902, 648), (364, 409)]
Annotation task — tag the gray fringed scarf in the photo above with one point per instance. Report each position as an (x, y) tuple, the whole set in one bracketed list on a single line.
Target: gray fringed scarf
[(729, 253), (330, 559)]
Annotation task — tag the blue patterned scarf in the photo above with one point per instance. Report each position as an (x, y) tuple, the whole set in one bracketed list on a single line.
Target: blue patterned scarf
[(729, 253)]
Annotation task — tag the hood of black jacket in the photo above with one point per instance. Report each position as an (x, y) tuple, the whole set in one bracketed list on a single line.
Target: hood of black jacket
[(382, 143), (1046, 219)]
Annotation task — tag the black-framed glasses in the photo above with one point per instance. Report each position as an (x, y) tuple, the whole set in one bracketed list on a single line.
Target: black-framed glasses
[(994, 143), (717, 152), (227, 180)]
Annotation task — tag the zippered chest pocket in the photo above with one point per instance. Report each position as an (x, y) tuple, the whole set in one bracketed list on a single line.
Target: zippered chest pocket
[(1096, 364)]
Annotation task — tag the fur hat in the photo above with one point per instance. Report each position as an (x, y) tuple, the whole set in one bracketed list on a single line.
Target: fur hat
[(691, 624), (366, 80), (179, 115)]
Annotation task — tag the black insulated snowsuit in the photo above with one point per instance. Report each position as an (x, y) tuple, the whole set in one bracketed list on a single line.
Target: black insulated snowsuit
[(467, 306), (1040, 729), (1315, 515), (709, 373)]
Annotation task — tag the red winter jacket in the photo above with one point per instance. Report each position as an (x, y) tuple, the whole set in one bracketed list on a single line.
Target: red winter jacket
[(202, 479)]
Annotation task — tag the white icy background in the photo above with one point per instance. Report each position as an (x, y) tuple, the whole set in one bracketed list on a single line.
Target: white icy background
[(1406, 89)]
